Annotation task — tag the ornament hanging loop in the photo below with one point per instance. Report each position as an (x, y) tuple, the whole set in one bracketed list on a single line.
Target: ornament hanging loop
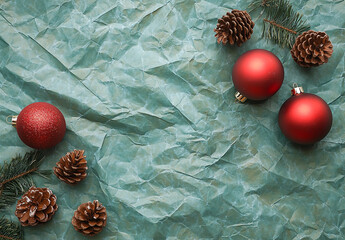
[(13, 121), (296, 90)]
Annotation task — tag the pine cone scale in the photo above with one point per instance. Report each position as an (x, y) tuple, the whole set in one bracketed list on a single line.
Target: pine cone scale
[(93, 223), (32, 211), (41, 216), (25, 217), (85, 225), (50, 209), (80, 216), (32, 222), (41, 207)]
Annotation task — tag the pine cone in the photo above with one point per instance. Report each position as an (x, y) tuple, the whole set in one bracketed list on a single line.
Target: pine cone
[(36, 205), (312, 49), (235, 27), (72, 167), (90, 218)]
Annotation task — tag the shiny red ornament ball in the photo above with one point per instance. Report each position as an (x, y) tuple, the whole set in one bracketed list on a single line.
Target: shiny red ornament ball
[(305, 118), (257, 75), (40, 125)]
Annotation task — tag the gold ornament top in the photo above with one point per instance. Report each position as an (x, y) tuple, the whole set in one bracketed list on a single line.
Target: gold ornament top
[(13, 121), (240, 97)]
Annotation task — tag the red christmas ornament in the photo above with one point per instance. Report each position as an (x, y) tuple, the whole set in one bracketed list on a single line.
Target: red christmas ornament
[(40, 125), (257, 75), (305, 118)]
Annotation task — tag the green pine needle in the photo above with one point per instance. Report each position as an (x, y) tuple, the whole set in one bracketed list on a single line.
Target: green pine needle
[(281, 24), (15, 176), (10, 230), (264, 4)]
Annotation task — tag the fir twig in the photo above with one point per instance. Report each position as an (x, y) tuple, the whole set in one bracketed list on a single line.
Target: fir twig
[(10, 230), (15, 176), (263, 4), (282, 23), (280, 26)]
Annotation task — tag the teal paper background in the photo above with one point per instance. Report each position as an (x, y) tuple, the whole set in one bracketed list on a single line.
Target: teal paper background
[(147, 92)]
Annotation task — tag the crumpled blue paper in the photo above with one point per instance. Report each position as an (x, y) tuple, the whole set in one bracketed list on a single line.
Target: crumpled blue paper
[(147, 92)]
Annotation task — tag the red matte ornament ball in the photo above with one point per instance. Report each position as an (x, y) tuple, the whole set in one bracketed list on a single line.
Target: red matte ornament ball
[(305, 118), (257, 75), (40, 125)]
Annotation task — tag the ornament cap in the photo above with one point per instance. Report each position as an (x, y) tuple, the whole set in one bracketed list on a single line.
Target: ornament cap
[(13, 121), (240, 97), (296, 90)]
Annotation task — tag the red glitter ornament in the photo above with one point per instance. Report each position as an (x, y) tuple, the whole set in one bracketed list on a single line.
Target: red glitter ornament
[(257, 75), (305, 118), (40, 125)]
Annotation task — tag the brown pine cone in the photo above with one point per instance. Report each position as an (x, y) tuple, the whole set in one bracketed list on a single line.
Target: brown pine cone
[(235, 27), (90, 218), (37, 205), (312, 49), (72, 167)]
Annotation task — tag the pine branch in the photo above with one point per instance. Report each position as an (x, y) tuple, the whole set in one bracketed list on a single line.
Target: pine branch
[(10, 230), (264, 4), (16, 176), (281, 23), (279, 26)]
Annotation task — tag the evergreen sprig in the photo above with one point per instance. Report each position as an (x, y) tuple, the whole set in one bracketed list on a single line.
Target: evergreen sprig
[(16, 176), (282, 24), (10, 230), (263, 4)]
